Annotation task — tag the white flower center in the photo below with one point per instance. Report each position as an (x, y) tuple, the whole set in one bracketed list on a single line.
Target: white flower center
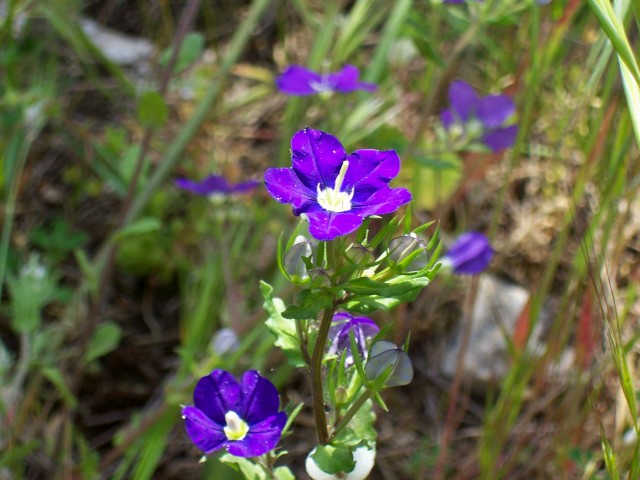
[(332, 199), (236, 428)]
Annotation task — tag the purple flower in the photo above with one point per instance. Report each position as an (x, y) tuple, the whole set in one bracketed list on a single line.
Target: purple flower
[(215, 184), (491, 112), (297, 80), (335, 191), (470, 254), (362, 328), (241, 417)]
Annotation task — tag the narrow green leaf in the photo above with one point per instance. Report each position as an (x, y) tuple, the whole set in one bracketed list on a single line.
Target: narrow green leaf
[(104, 340), (152, 110)]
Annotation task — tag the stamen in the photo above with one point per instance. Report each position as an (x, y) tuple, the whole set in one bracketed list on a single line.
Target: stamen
[(236, 428), (332, 199)]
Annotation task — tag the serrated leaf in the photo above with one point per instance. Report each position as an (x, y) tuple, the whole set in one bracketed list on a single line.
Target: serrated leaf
[(332, 460), (152, 110), (104, 340), (283, 329)]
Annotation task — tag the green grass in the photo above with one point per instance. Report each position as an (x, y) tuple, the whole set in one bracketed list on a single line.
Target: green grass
[(136, 266)]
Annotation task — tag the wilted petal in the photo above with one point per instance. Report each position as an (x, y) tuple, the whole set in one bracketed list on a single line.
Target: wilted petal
[(260, 398), (501, 138), (297, 80), (203, 432), (464, 100), (494, 110), (261, 438)]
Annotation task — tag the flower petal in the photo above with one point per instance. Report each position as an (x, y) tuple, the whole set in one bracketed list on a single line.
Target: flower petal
[(501, 138), (285, 187), (297, 80), (470, 254), (325, 225), (316, 157), (385, 200), (203, 432), (494, 110), (260, 398), (243, 187), (206, 186), (369, 171), (346, 80), (464, 99), (447, 118), (216, 394), (262, 437)]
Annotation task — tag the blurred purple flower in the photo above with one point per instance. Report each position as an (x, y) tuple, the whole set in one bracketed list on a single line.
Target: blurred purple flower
[(491, 111), (362, 328), (297, 80), (470, 254), (335, 191), (215, 184), (241, 417)]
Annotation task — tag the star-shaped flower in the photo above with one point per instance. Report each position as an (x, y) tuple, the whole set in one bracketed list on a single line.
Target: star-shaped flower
[(363, 328), (491, 112), (333, 190), (297, 80), (215, 184), (470, 254), (241, 417)]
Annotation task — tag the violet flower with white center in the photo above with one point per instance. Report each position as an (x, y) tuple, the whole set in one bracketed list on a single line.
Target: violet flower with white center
[(470, 254), (491, 112), (241, 417), (297, 80), (333, 190), (363, 328), (215, 184)]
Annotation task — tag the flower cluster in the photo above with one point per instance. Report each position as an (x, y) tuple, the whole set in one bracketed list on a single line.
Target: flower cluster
[(241, 417), (335, 191), (301, 81), (486, 114)]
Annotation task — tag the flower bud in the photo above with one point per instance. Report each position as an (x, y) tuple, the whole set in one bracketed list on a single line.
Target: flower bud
[(403, 246), (363, 459), (293, 259), (388, 364)]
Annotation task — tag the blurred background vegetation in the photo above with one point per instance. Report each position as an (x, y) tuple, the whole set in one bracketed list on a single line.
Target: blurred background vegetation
[(116, 285)]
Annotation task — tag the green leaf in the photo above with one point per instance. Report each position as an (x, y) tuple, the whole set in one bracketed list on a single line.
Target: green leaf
[(333, 460), (54, 375), (144, 225), (190, 50), (283, 473), (312, 302), (249, 469), (399, 286), (284, 329), (152, 110), (104, 340), (360, 427)]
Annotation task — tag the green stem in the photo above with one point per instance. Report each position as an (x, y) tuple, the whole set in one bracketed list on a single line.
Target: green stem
[(344, 421), (316, 377)]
